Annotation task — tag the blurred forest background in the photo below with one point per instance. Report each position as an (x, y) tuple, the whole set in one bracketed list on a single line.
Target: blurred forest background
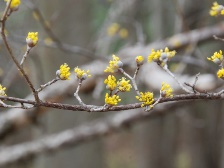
[(82, 33)]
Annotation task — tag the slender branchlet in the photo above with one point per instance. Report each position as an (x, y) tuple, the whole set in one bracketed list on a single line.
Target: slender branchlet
[(136, 71), (42, 87), (25, 56), (2, 104), (76, 94), (194, 84), (4, 18), (131, 78), (165, 67)]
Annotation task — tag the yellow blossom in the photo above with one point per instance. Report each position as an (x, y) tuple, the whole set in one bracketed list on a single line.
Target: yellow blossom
[(155, 55), (220, 73), (110, 82), (2, 91), (113, 29), (81, 74), (139, 60), (161, 56), (114, 64), (169, 53), (166, 90), (123, 85), (216, 9), (123, 33), (64, 72), (217, 57), (32, 39), (146, 98), (14, 4), (112, 100)]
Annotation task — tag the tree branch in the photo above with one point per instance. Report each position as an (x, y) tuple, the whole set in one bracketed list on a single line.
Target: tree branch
[(16, 119)]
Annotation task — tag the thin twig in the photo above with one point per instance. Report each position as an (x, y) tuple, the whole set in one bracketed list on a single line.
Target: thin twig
[(25, 55), (194, 84), (220, 92), (4, 18), (5, 14), (218, 38), (157, 101), (132, 80), (174, 77), (136, 71), (42, 87), (76, 94), (2, 104)]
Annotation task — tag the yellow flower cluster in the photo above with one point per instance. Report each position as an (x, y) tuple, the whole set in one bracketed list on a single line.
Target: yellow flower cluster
[(81, 74), (2, 91), (32, 39), (216, 9), (115, 28), (217, 57), (112, 100), (124, 85), (114, 64), (64, 72), (155, 55), (166, 90), (220, 73), (139, 60), (14, 4), (160, 55), (110, 82), (146, 98)]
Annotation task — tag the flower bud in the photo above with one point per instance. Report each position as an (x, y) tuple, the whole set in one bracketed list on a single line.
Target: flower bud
[(84, 76), (58, 73), (14, 6), (139, 60), (120, 64), (32, 39)]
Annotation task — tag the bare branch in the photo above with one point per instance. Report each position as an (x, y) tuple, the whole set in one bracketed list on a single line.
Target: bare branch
[(89, 108), (47, 84)]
